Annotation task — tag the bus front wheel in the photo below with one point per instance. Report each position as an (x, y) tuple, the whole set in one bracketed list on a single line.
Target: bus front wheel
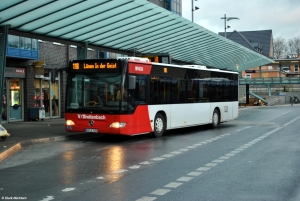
[(215, 119), (159, 125)]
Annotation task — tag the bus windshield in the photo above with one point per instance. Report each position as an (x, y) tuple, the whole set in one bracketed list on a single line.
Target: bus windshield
[(99, 93)]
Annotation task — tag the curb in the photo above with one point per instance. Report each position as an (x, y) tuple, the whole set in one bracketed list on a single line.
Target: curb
[(17, 147)]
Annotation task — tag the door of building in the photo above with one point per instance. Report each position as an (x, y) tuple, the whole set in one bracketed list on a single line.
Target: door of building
[(14, 99)]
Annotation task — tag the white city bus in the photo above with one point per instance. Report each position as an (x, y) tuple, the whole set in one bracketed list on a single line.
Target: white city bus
[(153, 97)]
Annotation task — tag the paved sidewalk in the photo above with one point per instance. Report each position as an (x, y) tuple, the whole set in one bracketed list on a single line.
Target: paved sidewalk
[(23, 134)]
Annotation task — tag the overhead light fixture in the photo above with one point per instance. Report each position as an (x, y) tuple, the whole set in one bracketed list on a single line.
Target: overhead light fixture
[(227, 19)]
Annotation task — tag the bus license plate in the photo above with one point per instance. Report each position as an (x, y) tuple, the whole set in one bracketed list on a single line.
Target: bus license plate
[(91, 130)]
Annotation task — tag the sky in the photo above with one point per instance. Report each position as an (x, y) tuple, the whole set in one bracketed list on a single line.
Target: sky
[(280, 16)]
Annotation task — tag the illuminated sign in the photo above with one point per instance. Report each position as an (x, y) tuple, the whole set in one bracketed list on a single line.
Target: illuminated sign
[(100, 65), (76, 66), (95, 65)]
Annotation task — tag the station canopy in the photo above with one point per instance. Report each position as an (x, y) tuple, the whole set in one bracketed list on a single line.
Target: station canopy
[(122, 26)]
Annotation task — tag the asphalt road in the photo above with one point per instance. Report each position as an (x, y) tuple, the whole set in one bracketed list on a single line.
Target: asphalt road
[(255, 157)]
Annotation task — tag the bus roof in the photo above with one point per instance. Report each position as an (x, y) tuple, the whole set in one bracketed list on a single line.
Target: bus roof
[(140, 59)]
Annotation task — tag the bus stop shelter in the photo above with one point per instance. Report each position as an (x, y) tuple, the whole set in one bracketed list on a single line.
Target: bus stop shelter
[(124, 27)]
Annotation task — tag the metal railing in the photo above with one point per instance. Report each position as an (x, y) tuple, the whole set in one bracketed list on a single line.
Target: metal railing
[(270, 80)]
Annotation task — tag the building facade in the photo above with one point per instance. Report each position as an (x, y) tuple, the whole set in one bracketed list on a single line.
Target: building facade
[(36, 80)]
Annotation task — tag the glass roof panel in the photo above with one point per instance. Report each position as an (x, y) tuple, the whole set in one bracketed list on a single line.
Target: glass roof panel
[(124, 25)]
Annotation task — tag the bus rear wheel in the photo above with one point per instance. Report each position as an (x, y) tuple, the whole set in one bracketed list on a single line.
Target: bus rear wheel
[(159, 125), (215, 119)]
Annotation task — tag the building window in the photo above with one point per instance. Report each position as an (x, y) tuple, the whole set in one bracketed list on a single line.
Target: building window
[(34, 44), (13, 41), (174, 7), (296, 68), (101, 54), (25, 43)]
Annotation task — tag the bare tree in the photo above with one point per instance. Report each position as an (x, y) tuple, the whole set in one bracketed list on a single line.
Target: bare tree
[(280, 48), (294, 47)]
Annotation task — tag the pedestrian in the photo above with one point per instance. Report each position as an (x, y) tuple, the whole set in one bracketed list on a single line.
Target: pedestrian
[(292, 99)]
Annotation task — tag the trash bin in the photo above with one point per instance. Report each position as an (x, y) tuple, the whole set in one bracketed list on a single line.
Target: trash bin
[(36, 113)]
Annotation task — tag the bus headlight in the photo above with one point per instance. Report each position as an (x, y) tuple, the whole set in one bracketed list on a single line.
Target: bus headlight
[(118, 125), (70, 123)]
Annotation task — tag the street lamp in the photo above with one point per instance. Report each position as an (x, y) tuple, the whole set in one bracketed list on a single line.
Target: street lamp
[(227, 19), (193, 9)]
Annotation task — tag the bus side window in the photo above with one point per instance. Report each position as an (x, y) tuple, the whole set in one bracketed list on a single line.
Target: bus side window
[(141, 87), (154, 90), (174, 91), (191, 92), (182, 93)]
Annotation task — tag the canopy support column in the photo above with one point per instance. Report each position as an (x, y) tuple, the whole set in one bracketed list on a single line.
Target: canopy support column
[(82, 51), (260, 71), (3, 43)]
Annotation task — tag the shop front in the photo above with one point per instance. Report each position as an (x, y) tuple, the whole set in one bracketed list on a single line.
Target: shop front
[(13, 101), (47, 94)]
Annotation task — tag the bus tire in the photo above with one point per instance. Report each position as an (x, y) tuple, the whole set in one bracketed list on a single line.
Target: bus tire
[(159, 125), (215, 119)]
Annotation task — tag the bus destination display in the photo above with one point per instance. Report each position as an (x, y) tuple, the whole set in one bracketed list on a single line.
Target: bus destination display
[(95, 65)]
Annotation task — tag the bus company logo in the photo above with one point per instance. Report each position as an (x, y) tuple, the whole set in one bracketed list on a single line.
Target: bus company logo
[(90, 117), (138, 68)]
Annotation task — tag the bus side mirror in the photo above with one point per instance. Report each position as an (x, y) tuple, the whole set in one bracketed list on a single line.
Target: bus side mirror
[(131, 82)]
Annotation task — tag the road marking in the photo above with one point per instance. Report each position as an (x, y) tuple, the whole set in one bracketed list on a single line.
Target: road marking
[(203, 168), (175, 152), (183, 150), (217, 161), (173, 185), (191, 147), (160, 191), (135, 167), (48, 198), (146, 199), (194, 173), (120, 171), (157, 159), (68, 189), (210, 165), (167, 155), (224, 157), (184, 178), (146, 163)]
